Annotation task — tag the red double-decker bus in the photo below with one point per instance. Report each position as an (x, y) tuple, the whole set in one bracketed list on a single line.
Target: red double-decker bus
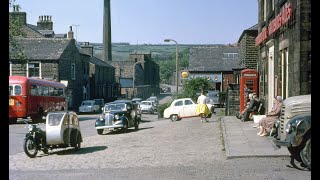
[(33, 98)]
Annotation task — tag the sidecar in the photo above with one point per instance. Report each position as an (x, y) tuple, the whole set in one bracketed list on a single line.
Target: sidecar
[(63, 130)]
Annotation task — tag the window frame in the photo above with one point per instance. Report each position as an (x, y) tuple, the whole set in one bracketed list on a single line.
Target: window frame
[(73, 71), (39, 69)]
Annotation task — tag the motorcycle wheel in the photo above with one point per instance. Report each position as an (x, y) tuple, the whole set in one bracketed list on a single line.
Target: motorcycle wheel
[(78, 142), (30, 148)]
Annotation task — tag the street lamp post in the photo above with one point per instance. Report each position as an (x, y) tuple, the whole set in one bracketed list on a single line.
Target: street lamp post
[(177, 75)]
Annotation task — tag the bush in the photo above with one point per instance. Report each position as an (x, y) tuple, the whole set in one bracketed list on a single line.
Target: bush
[(162, 107)]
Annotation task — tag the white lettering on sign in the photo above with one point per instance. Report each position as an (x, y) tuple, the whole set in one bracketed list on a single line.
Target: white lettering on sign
[(249, 75)]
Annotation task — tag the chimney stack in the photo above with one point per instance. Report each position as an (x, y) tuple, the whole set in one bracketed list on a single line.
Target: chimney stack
[(19, 16), (45, 23), (107, 56), (70, 33), (87, 48)]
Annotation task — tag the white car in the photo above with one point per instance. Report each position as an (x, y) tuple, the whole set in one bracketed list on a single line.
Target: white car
[(89, 106), (183, 108), (148, 107)]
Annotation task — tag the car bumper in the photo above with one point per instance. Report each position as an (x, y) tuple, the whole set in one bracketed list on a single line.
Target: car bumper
[(146, 111), (85, 110), (281, 142), (110, 127)]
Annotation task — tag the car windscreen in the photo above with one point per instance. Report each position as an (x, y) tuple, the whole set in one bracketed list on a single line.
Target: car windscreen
[(115, 107), (145, 103), (87, 103)]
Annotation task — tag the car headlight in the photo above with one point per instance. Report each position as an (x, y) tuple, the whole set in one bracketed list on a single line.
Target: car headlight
[(290, 128), (277, 123), (117, 116), (101, 117)]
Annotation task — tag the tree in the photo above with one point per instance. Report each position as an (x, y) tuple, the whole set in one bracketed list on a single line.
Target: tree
[(168, 67), (15, 31)]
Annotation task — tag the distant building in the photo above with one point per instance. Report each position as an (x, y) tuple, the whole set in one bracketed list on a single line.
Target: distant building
[(216, 63), (141, 70)]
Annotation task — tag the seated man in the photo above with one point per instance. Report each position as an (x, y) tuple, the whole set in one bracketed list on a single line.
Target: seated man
[(253, 108)]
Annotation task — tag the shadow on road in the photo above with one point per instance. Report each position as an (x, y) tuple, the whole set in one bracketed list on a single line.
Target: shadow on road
[(72, 151), (114, 132)]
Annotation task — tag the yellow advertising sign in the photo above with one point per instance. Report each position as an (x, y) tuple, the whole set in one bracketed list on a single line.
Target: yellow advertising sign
[(11, 102)]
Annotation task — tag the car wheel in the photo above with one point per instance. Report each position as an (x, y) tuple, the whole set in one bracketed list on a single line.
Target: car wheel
[(174, 117), (99, 131), (305, 154), (136, 125)]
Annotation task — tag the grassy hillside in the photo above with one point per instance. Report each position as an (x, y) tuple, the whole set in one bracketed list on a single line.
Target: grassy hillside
[(158, 52)]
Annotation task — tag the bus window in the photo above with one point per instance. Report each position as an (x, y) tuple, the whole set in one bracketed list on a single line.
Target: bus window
[(17, 90), (10, 90)]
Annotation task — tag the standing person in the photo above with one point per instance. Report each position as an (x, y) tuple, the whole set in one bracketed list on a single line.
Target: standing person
[(268, 121), (202, 108)]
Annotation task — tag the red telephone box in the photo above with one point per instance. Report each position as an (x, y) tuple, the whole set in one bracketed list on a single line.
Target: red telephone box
[(248, 84)]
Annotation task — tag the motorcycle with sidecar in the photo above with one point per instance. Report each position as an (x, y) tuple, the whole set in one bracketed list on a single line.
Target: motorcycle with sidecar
[(62, 129)]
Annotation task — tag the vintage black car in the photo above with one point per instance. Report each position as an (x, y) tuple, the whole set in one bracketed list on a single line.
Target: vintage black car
[(293, 129), (119, 114)]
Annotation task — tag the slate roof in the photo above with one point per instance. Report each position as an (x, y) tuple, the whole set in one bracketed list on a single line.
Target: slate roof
[(99, 62), (210, 58), (43, 48)]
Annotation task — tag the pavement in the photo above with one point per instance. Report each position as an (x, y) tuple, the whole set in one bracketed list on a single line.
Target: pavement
[(241, 140)]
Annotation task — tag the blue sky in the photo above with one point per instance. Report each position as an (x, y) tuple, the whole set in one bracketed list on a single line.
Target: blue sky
[(149, 21)]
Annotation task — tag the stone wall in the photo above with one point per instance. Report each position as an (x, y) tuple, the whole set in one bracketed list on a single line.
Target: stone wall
[(233, 103)]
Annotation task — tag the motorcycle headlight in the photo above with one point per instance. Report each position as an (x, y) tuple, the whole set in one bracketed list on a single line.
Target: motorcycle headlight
[(117, 116), (30, 127)]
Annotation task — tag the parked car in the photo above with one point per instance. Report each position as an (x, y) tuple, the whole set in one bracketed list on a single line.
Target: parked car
[(183, 108), (213, 98), (137, 100), (148, 107), (99, 102), (293, 128), (120, 114), (89, 106), (153, 99)]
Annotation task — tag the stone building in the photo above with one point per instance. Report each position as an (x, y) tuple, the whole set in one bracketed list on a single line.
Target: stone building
[(248, 53), (52, 59), (139, 76), (214, 62), (284, 48), (102, 83), (56, 57)]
